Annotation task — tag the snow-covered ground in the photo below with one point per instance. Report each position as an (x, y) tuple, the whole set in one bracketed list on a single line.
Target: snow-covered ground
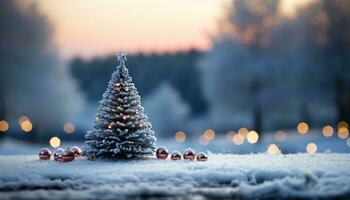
[(325, 175)]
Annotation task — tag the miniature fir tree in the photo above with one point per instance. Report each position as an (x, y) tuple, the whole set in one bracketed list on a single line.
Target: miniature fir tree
[(121, 128)]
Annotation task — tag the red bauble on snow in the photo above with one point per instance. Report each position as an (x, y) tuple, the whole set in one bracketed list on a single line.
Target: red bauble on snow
[(58, 155), (45, 154), (176, 155), (76, 150), (189, 154), (162, 153), (68, 155), (202, 157)]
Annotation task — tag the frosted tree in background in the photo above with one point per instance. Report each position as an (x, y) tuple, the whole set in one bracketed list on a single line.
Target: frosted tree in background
[(168, 112), (121, 127), (34, 80)]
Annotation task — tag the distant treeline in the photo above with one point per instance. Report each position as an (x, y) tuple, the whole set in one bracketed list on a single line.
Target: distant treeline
[(148, 72)]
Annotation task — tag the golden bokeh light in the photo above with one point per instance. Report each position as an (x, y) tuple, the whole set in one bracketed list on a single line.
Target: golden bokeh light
[(238, 139), (26, 126), (230, 135), (209, 134), (69, 127), (311, 148), (280, 136), (303, 128), (4, 126), (327, 131), (273, 149), (343, 124), (22, 119), (243, 132), (252, 137), (55, 142), (180, 136), (343, 132)]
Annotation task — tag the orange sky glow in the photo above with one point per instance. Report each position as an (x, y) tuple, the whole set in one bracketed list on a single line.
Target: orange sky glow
[(99, 27), (91, 28)]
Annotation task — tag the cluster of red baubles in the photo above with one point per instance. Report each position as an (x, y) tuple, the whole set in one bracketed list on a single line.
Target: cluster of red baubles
[(60, 154), (189, 154)]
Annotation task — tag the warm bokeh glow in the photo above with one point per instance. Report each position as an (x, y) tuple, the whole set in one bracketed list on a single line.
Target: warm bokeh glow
[(180, 136), (273, 149), (343, 132), (243, 132), (238, 139), (289, 8), (26, 126), (4, 126), (303, 128), (311, 148), (69, 127), (90, 27), (327, 131), (252, 137), (22, 119), (342, 124), (230, 135), (280, 136), (55, 142), (209, 134)]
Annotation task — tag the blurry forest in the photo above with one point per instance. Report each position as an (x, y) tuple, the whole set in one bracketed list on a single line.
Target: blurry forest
[(265, 71)]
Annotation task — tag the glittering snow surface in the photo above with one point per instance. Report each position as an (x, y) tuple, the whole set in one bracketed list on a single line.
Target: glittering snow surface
[(222, 176)]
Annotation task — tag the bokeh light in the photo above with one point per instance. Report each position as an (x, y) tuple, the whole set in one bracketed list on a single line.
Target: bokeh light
[(348, 142), (69, 127), (230, 135), (4, 126), (238, 139), (280, 136), (55, 142), (303, 128), (22, 119), (180, 136), (209, 134), (311, 148), (273, 149), (343, 132), (327, 131), (252, 137), (26, 126), (343, 124), (243, 132)]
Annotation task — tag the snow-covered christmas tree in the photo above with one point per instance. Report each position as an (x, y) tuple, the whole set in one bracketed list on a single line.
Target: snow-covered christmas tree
[(121, 128)]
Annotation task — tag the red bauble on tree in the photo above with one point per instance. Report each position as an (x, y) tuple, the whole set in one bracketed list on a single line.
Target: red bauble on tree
[(45, 154), (162, 153), (189, 154), (176, 155)]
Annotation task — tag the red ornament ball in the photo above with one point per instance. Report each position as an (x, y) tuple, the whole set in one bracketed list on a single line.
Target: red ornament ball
[(162, 153), (76, 150), (45, 154), (176, 155), (58, 155), (202, 157), (68, 155), (189, 154)]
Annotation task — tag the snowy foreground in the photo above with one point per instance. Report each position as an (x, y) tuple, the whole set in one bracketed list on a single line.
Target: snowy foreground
[(223, 176)]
